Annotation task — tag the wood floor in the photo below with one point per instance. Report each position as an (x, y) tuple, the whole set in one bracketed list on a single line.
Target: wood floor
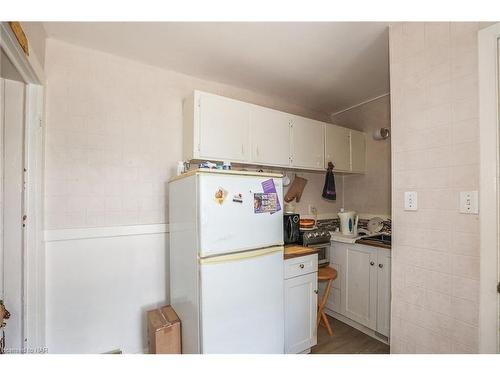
[(347, 340)]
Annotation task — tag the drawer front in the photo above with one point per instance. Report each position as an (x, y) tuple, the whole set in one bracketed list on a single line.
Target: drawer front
[(301, 265)]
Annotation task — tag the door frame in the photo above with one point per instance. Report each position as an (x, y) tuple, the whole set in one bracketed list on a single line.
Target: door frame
[(488, 40), (33, 246)]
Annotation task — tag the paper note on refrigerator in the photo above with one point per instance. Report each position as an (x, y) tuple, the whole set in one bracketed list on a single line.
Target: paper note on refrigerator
[(263, 202), (269, 187)]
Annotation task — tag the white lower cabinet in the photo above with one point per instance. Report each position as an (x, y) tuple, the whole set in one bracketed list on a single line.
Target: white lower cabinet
[(360, 293), (384, 292), (301, 301), (363, 292)]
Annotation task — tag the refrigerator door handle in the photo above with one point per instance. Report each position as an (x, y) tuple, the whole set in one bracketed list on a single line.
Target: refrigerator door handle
[(241, 255)]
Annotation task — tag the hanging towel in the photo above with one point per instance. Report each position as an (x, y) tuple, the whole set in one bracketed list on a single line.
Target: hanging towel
[(295, 190), (329, 188)]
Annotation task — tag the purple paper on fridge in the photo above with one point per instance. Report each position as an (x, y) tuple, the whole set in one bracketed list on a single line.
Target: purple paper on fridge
[(269, 187)]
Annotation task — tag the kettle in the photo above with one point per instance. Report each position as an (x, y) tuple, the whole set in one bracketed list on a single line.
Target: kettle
[(348, 222)]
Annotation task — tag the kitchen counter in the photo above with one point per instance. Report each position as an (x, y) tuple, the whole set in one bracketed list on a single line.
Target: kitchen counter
[(369, 242), (294, 251)]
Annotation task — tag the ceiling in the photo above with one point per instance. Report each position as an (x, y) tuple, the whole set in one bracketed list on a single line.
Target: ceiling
[(322, 66)]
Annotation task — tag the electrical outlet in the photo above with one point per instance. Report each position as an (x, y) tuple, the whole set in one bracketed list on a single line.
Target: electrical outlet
[(312, 210), (469, 203), (411, 201)]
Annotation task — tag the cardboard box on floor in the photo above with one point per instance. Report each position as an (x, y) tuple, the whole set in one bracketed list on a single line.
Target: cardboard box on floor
[(164, 331)]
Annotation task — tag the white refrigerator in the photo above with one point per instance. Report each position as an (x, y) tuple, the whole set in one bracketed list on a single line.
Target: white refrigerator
[(226, 261)]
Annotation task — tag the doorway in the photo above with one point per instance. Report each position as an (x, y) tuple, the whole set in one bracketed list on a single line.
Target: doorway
[(489, 214), (12, 130)]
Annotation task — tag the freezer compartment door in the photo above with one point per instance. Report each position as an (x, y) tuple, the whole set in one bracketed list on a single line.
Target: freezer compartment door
[(233, 222), (242, 302)]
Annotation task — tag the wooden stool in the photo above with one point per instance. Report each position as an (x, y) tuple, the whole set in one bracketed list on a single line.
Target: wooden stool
[(326, 274)]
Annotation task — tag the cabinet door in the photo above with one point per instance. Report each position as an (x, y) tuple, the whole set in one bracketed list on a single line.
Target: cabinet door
[(270, 131), (307, 143), (337, 147), (300, 312), (384, 292), (360, 297), (337, 260), (358, 151), (224, 129)]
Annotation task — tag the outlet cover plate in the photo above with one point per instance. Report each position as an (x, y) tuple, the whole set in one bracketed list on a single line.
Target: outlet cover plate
[(411, 201), (469, 202)]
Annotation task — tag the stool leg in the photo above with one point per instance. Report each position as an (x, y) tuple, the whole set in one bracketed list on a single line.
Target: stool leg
[(321, 314)]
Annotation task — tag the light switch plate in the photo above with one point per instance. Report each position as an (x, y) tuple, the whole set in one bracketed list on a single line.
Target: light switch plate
[(469, 202), (411, 201)]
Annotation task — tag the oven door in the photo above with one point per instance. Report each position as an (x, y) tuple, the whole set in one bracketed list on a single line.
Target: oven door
[(323, 253)]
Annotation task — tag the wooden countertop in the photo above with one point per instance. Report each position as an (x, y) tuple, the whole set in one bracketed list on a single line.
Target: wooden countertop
[(367, 241), (294, 251)]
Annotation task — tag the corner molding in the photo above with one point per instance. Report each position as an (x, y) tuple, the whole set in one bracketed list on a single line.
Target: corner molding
[(29, 67), (488, 45)]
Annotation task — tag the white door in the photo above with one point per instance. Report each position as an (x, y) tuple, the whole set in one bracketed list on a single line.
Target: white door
[(360, 299), (234, 224), (242, 303), (384, 292), (358, 151), (224, 129), (308, 143), (270, 136), (301, 303), (11, 280), (337, 147)]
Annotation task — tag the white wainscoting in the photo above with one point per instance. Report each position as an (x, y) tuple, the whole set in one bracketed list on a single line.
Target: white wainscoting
[(99, 284)]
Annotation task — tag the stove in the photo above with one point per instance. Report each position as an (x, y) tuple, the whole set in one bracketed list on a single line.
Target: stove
[(318, 239), (314, 237)]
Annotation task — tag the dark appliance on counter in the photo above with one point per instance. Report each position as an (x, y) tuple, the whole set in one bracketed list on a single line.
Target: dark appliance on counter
[(320, 240), (291, 228)]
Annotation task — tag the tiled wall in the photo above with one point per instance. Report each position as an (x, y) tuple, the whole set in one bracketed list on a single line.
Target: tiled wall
[(114, 136), (370, 193), (435, 253)]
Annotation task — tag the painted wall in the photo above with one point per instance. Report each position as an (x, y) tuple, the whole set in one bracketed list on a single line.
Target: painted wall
[(114, 135), (370, 193), (435, 250), (113, 138), (100, 285), (36, 34), (7, 70)]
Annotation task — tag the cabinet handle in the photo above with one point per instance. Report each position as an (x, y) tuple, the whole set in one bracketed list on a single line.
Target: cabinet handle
[(301, 266), (316, 291), (372, 263), (380, 265)]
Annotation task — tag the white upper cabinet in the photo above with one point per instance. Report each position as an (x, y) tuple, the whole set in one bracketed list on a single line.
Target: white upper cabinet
[(308, 143), (270, 132), (218, 129), (337, 148), (358, 152), (224, 129)]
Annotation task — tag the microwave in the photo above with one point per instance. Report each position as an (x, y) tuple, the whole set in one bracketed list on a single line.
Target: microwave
[(291, 226)]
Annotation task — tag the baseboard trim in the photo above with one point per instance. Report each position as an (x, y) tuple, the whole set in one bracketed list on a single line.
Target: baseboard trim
[(102, 232), (356, 325)]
